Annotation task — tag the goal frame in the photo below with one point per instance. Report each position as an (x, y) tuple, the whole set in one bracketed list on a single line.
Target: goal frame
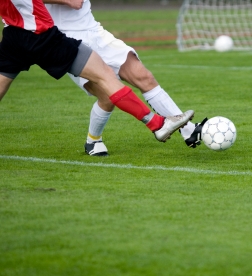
[(200, 22)]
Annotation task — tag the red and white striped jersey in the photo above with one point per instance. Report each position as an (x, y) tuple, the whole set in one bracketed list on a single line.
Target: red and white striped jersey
[(31, 15)]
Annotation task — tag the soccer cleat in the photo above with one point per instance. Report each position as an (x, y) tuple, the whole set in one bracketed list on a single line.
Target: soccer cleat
[(195, 138), (171, 124), (96, 148)]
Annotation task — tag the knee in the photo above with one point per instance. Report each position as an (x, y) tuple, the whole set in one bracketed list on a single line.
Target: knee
[(103, 100), (5, 83), (106, 104)]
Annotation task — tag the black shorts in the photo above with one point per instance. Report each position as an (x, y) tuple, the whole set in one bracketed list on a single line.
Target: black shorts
[(51, 50)]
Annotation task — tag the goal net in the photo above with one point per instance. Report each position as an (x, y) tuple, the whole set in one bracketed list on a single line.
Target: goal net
[(200, 22)]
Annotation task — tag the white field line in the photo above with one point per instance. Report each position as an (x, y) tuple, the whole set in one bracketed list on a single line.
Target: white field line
[(125, 166)]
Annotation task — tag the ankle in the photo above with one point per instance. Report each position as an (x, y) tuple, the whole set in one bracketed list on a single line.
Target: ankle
[(92, 138), (156, 122)]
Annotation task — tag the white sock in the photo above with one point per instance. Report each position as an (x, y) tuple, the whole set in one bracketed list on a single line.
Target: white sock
[(163, 104), (98, 120)]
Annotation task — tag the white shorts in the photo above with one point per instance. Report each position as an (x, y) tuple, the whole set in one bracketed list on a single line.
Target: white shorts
[(113, 51)]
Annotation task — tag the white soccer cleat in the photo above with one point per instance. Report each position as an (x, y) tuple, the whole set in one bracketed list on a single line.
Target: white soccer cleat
[(171, 124), (96, 148)]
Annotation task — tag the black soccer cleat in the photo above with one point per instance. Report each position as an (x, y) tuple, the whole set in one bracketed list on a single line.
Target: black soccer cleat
[(195, 138), (96, 148)]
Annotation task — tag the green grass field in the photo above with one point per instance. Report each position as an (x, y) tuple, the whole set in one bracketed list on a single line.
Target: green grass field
[(149, 208)]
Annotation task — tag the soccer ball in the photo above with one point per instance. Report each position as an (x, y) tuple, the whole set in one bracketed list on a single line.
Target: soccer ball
[(223, 43), (218, 133)]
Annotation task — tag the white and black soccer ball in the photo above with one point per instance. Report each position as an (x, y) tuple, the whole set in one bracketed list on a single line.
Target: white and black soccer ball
[(219, 133)]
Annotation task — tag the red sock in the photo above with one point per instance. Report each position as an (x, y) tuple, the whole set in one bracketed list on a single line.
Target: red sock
[(127, 101), (156, 122)]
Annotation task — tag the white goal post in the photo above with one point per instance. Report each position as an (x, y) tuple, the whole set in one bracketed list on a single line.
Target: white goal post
[(200, 22)]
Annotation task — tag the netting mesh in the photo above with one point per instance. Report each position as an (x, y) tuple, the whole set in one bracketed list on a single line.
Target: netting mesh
[(200, 22)]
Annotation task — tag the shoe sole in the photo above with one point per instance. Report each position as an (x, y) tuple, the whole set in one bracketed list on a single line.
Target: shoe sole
[(103, 154), (193, 145)]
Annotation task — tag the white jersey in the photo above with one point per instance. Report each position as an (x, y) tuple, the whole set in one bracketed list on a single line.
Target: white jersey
[(69, 19)]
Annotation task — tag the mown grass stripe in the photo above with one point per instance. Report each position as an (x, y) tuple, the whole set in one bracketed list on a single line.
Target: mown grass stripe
[(125, 166), (222, 68)]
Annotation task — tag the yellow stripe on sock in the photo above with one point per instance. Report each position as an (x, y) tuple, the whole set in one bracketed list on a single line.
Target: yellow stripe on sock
[(94, 137)]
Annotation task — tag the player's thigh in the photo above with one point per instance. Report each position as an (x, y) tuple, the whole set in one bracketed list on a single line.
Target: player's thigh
[(113, 51), (100, 73)]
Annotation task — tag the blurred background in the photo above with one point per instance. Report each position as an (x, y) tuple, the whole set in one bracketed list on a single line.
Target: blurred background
[(142, 24), (143, 3)]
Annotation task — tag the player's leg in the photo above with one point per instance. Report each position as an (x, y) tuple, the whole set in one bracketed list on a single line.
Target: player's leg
[(120, 57), (106, 81), (99, 116), (123, 97), (134, 72), (112, 50), (98, 72), (5, 83)]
